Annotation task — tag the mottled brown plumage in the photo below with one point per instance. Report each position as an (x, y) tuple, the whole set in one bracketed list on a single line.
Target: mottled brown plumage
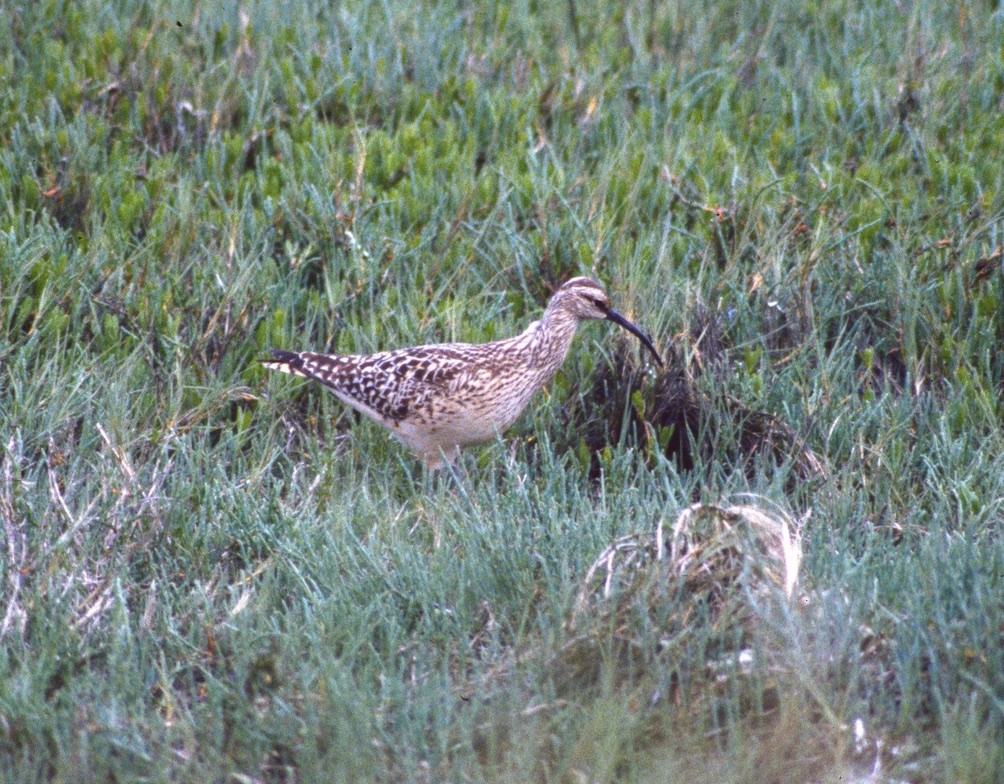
[(440, 398)]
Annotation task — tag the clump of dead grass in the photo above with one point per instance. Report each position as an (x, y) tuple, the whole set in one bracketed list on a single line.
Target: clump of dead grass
[(701, 575), (647, 592), (708, 545), (653, 589)]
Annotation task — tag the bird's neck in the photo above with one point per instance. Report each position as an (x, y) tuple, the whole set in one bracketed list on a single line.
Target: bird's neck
[(552, 338)]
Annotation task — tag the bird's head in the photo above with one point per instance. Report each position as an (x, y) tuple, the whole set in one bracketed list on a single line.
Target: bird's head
[(584, 298)]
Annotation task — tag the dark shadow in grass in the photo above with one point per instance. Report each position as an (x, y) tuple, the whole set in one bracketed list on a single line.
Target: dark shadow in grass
[(671, 414)]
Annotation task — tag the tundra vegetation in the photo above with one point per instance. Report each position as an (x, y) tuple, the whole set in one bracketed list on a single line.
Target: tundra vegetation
[(212, 573)]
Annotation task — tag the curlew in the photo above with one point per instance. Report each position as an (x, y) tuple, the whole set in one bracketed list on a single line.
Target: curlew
[(440, 398)]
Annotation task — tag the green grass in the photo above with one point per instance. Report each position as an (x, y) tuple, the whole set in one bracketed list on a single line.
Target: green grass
[(212, 574)]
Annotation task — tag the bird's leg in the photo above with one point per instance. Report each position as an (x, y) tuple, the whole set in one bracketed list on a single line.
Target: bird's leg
[(458, 474), (429, 482), (432, 482)]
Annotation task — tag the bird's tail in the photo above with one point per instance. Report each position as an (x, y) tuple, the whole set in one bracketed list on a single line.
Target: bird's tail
[(286, 362)]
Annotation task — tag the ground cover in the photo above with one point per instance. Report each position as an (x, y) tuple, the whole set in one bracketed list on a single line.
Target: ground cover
[(211, 573)]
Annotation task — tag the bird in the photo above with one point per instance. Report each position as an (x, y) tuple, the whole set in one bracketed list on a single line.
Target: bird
[(442, 397)]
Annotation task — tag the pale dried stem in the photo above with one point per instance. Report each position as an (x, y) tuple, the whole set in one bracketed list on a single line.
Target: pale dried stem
[(15, 615)]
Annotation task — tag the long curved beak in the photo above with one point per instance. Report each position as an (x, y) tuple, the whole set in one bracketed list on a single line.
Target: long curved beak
[(618, 319)]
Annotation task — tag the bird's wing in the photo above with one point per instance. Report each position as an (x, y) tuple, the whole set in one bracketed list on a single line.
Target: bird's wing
[(390, 383)]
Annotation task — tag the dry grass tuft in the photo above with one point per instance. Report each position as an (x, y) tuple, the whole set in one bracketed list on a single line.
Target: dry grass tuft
[(646, 589), (708, 546), (656, 609)]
